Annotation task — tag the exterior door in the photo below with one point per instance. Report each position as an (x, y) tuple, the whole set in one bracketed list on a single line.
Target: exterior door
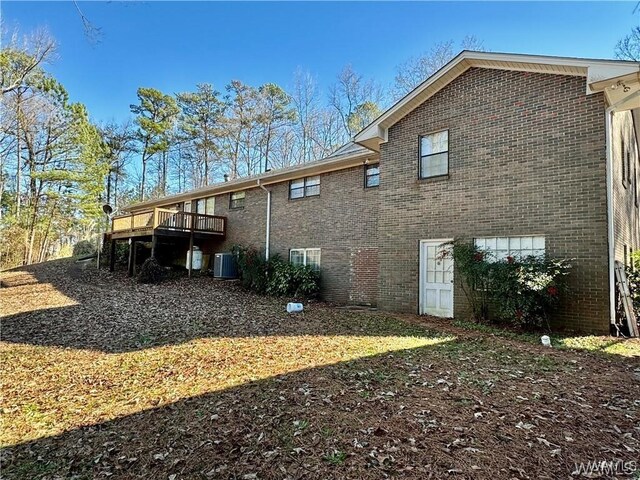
[(436, 278)]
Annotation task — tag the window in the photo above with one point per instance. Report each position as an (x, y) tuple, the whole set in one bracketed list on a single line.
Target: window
[(371, 175), (434, 154), (305, 256), (205, 205), (304, 187), (237, 200), (502, 247)]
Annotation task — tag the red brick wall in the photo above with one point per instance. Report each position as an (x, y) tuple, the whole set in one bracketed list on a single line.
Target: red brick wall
[(526, 157), (341, 221)]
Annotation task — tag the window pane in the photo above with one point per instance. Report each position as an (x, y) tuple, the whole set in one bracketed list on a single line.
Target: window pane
[(373, 180), (313, 180), (210, 206), (435, 165), (434, 143), (297, 192), (312, 190), (538, 242), (313, 258), (296, 257), (297, 183)]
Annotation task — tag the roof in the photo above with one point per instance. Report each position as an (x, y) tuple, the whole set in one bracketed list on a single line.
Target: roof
[(347, 156), (595, 70)]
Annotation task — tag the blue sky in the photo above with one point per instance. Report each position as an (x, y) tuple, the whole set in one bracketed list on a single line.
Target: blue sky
[(174, 45)]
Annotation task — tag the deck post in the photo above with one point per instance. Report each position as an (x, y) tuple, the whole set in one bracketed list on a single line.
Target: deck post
[(135, 257), (154, 241), (130, 263), (190, 252), (112, 256)]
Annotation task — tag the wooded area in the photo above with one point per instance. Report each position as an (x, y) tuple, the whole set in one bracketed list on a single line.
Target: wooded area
[(58, 166)]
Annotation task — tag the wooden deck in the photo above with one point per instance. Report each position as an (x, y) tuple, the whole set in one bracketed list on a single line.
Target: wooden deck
[(161, 221)]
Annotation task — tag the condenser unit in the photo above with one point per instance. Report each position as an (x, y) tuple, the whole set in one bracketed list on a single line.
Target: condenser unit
[(225, 266)]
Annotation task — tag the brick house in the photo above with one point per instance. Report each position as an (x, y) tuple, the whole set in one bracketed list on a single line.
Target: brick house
[(521, 154)]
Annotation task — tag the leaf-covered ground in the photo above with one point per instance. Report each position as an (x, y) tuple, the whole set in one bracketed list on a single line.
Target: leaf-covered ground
[(104, 378)]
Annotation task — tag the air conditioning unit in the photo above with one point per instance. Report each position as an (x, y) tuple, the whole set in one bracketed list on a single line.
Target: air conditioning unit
[(225, 266)]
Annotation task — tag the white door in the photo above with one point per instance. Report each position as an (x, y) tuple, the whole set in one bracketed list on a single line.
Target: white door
[(436, 278)]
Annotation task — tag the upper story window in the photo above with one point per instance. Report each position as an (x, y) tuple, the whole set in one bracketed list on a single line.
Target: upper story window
[(518, 247), (236, 200), (304, 187), (205, 205), (434, 154), (371, 175), (305, 256)]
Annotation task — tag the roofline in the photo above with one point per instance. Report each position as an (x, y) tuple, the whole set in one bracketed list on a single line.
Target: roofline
[(329, 164), (594, 69)]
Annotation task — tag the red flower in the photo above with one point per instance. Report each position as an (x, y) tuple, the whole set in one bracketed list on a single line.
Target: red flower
[(553, 291), (478, 257), (510, 259), (519, 314)]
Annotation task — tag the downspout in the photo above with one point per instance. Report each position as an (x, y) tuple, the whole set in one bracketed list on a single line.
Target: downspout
[(610, 219), (268, 232)]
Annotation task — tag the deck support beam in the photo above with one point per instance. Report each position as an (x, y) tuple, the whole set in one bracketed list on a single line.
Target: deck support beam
[(190, 252), (112, 256), (135, 257), (130, 263), (154, 241)]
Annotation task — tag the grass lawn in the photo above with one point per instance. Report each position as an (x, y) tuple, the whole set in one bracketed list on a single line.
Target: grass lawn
[(102, 377)]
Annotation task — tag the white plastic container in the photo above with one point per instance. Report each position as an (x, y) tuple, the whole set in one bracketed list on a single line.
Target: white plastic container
[(197, 259), (294, 307), (546, 341)]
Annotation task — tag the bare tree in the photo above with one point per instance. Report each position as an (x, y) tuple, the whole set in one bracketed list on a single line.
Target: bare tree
[(349, 96), (416, 70), (23, 57), (628, 48)]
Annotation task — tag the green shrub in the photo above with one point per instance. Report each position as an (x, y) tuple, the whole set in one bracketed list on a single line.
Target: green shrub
[(252, 268), (275, 276), (122, 254), (83, 247), (522, 291), (151, 271)]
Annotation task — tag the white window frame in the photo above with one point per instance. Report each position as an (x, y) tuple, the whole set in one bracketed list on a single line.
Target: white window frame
[(515, 246), (305, 256), (426, 156)]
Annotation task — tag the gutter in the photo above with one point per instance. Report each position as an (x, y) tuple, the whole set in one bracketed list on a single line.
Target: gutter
[(610, 227), (267, 239)]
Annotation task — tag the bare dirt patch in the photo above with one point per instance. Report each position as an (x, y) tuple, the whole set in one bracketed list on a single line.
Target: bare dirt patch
[(198, 379)]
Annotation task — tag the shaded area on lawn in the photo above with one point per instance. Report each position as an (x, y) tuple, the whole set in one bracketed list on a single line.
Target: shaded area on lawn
[(112, 313), (471, 408)]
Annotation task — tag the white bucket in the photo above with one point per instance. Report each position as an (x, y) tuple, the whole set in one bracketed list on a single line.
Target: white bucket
[(197, 259), (546, 341), (294, 307)]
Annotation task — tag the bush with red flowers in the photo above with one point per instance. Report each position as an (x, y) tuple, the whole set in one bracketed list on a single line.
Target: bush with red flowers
[(520, 290)]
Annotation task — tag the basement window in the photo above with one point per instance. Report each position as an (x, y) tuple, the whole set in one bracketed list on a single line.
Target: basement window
[(499, 248), (371, 176), (305, 256), (236, 200), (434, 154), (304, 187)]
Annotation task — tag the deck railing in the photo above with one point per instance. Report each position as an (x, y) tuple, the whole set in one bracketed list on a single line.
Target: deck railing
[(172, 220)]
